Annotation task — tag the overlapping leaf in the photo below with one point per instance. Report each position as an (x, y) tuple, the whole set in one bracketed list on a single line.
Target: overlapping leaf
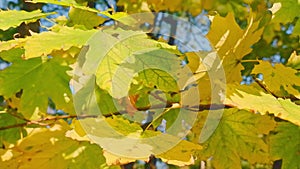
[(284, 145), (287, 12), (119, 16), (51, 149), (278, 78), (238, 136), (44, 43), (118, 61), (254, 99), (38, 80), (232, 43), (110, 132), (11, 135), (13, 18), (86, 18)]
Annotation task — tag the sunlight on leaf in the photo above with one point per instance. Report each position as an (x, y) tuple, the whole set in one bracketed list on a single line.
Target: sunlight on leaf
[(232, 43), (13, 18), (254, 99)]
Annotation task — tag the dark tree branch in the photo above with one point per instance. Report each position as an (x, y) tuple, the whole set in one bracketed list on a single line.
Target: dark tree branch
[(264, 87)]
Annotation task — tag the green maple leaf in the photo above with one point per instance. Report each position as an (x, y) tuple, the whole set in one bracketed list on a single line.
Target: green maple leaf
[(254, 99), (39, 81), (51, 149), (44, 43), (285, 145), (238, 136), (288, 11), (84, 17), (278, 77), (13, 18), (13, 134)]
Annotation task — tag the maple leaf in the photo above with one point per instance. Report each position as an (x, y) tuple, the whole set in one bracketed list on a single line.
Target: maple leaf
[(44, 43), (11, 135), (232, 43), (237, 137), (51, 149), (284, 144), (84, 17), (254, 99), (119, 135), (287, 11), (38, 80), (13, 18), (278, 78)]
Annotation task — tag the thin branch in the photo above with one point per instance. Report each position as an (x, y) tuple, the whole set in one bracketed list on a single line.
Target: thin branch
[(41, 122), (264, 87), (45, 121)]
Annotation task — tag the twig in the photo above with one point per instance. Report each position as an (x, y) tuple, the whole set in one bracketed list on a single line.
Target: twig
[(41, 122), (264, 87)]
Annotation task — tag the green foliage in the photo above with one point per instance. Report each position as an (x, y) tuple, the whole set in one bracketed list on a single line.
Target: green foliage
[(240, 134), (275, 81), (13, 18), (131, 84), (11, 135), (39, 79), (284, 134)]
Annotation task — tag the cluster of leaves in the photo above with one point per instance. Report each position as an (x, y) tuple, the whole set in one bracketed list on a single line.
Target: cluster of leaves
[(260, 122)]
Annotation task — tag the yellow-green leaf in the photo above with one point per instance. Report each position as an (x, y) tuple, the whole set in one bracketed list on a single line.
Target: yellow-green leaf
[(44, 43), (127, 140), (51, 149), (39, 81), (278, 77), (13, 18), (238, 136), (254, 99), (118, 16), (84, 17), (287, 11), (181, 154)]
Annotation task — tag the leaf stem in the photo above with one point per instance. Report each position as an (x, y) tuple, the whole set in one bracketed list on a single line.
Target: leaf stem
[(246, 61), (264, 87)]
